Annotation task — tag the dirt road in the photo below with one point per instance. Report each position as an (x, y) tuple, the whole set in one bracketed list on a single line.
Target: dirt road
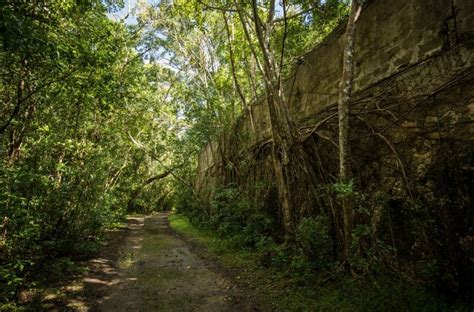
[(150, 268)]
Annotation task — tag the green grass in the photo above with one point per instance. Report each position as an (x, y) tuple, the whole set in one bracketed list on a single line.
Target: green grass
[(278, 290), (216, 247)]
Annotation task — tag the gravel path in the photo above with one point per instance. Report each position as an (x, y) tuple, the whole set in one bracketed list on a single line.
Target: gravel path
[(150, 268)]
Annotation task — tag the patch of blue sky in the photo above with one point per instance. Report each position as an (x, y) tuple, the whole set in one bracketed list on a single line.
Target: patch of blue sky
[(128, 13)]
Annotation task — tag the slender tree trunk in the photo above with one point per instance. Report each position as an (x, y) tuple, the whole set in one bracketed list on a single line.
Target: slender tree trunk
[(24, 116), (344, 112), (234, 73), (283, 128), (289, 159)]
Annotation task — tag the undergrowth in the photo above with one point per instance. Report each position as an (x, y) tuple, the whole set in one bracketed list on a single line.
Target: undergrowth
[(42, 264), (302, 273), (289, 282)]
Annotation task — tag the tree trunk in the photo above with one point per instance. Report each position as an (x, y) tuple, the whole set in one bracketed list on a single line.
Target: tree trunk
[(237, 87), (137, 191), (293, 177), (344, 112), (284, 132)]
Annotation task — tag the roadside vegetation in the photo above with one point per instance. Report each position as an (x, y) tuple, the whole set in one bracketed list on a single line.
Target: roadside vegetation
[(286, 278)]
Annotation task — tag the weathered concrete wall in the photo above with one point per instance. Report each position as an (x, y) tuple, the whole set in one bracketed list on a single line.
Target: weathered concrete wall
[(421, 45)]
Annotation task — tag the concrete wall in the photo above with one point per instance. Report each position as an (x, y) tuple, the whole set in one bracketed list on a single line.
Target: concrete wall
[(410, 47), (411, 135)]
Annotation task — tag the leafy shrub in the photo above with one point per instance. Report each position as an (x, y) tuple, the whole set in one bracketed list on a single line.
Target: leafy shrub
[(314, 242), (231, 215), (238, 219)]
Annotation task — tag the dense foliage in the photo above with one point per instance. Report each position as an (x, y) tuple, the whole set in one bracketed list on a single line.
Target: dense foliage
[(100, 117), (74, 90)]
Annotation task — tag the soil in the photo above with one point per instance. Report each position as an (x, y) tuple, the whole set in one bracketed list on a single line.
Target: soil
[(148, 267)]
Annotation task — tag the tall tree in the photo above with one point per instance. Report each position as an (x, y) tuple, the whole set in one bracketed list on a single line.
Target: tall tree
[(269, 22), (344, 114), (262, 31), (284, 132)]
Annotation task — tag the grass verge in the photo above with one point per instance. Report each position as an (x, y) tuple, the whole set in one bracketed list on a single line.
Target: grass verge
[(280, 290)]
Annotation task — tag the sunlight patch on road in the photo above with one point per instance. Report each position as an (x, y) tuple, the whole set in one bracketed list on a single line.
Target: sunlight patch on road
[(126, 261)]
